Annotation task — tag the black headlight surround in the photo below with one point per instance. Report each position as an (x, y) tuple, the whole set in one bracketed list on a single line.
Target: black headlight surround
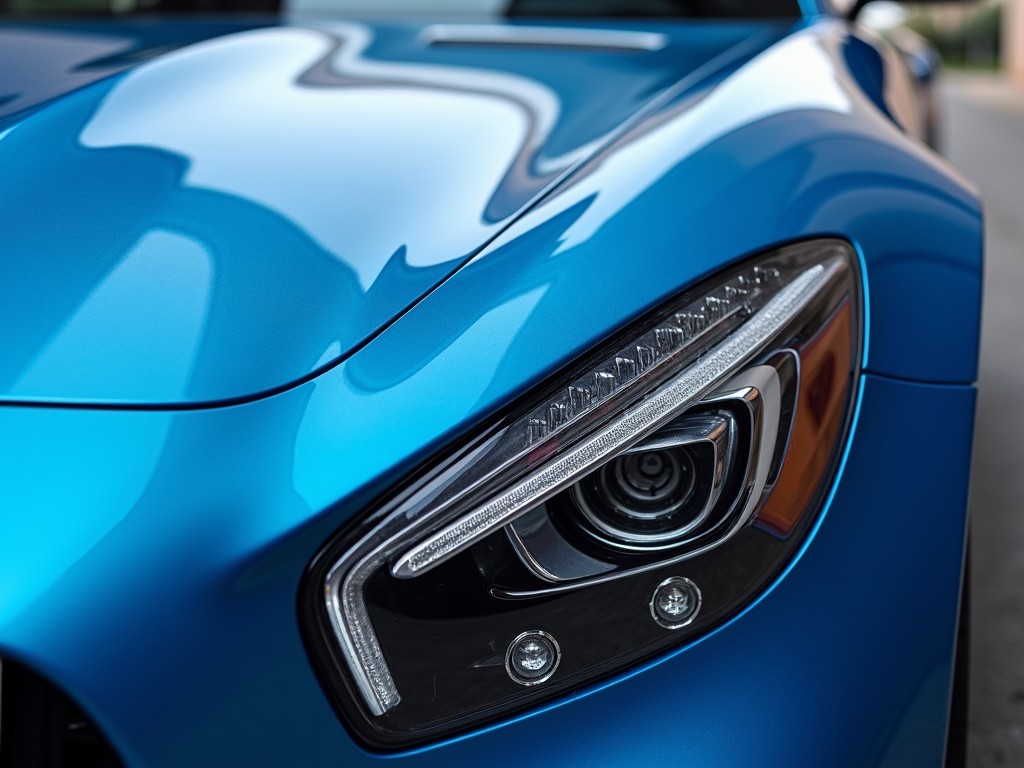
[(423, 622)]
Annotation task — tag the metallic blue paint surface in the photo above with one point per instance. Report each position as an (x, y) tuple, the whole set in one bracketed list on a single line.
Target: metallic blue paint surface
[(150, 558), (232, 216), (270, 210)]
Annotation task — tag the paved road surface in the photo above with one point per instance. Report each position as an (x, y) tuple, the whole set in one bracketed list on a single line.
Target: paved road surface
[(984, 136)]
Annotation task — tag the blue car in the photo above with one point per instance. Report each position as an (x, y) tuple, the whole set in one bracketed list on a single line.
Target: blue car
[(525, 383)]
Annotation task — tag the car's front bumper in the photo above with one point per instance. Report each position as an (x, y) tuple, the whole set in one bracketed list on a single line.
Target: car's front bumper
[(150, 562)]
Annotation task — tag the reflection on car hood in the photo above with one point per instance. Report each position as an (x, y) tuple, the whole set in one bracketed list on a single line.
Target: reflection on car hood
[(191, 220)]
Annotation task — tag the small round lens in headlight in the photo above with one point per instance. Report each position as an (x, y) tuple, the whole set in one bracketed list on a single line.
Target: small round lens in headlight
[(532, 657), (675, 602)]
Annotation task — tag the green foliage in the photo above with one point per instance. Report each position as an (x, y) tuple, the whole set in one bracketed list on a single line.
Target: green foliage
[(974, 42)]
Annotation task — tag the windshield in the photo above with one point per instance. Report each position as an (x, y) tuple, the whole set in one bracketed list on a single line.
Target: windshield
[(494, 8)]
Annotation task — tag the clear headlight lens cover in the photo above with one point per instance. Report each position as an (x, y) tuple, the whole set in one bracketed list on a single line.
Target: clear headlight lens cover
[(630, 504)]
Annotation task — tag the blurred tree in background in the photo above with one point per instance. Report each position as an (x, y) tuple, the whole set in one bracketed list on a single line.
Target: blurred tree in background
[(966, 35)]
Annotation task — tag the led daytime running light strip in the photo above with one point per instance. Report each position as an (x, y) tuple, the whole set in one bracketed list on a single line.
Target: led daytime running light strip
[(736, 299)]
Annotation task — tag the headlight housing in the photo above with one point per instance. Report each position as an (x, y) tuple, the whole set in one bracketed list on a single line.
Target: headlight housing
[(628, 505)]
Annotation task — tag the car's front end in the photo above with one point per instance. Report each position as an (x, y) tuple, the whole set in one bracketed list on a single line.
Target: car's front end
[(330, 349)]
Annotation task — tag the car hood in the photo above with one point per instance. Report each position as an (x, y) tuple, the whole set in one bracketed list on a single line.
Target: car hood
[(208, 213)]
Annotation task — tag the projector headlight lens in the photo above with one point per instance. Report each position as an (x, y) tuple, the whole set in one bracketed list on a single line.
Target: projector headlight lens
[(642, 497)]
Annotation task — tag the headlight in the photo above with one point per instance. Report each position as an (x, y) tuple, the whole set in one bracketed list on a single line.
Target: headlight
[(627, 506)]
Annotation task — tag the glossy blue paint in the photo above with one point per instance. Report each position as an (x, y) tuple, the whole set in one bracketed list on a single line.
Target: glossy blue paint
[(308, 219), (277, 168), (750, 163), (150, 559)]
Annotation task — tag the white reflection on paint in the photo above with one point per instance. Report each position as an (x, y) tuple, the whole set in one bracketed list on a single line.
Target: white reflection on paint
[(797, 74), (363, 170)]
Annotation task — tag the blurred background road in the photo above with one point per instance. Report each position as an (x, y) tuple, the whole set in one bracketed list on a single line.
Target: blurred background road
[(983, 135)]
